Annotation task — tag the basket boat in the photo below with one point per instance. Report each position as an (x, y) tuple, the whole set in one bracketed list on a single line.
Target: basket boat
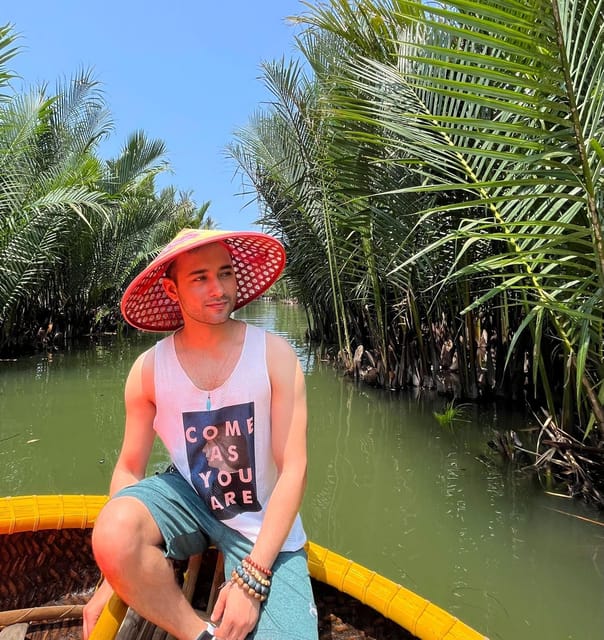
[(47, 574)]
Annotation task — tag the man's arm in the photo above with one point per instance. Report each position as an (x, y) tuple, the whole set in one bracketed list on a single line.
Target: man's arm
[(288, 438), (139, 397), (134, 456), (239, 612)]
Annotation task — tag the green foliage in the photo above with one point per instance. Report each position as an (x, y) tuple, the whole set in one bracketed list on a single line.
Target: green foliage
[(74, 228), (445, 160), (7, 52), (451, 413), (511, 123)]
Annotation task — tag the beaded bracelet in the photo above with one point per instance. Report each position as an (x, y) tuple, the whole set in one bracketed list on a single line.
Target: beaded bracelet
[(260, 587), (262, 579), (248, 589), (266, 572), (249, 584)]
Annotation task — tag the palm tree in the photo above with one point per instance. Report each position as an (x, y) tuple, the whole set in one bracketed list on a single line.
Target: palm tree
[(109, 252), (7, 52), (316, 182), (47, 188), (501, 103), (459, 149), (74, 228), (283, 153)]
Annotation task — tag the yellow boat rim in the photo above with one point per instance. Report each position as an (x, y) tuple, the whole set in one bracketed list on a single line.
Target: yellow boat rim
[(417, 615)]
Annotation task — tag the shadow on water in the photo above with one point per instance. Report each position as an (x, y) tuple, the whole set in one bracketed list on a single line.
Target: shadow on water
[(429, 506)]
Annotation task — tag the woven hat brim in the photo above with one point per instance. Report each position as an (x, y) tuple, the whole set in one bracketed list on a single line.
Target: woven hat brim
[(258, 260)]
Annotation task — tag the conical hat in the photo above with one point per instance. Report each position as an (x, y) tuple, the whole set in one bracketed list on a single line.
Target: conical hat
[(258, 259)]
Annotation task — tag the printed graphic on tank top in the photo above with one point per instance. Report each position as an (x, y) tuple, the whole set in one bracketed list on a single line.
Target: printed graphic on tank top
[(220, 451)]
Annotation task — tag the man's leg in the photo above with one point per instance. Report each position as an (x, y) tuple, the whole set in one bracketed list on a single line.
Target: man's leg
[(128, 548), (290, 612)]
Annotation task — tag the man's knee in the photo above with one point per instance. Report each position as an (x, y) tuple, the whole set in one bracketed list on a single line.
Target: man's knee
[(123, 527)]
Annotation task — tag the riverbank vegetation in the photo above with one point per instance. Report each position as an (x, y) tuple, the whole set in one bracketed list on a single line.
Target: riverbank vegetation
[(74, 228), (436, 174)]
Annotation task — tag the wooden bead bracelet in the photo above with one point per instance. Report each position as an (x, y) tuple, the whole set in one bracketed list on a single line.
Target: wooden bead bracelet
[(266, 572), (249, 584)]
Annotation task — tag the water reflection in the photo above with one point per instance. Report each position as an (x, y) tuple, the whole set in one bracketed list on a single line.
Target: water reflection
[(435, 509), (62, 413), (427, 506), (289, 323)]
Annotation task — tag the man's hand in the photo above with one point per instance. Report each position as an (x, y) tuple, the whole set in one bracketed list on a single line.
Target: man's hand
[(235, 613), (94, 607)]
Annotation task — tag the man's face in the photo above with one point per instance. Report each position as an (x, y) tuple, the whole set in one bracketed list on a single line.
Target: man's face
[(204, 284)]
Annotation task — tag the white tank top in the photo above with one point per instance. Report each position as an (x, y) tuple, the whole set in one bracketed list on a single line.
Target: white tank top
[(224, 450)]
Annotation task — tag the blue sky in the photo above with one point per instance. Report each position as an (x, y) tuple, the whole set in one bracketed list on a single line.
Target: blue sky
[(185, 71)]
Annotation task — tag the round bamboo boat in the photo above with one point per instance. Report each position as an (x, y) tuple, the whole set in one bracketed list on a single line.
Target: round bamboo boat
[(47, 574)]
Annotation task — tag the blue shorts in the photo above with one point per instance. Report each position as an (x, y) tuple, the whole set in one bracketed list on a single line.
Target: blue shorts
[(188, 527)]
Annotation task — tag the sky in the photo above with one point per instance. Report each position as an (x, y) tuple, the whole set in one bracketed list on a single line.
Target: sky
[(185, 71)]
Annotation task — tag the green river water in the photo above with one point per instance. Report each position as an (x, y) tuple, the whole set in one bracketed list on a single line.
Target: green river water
[(429, 507)]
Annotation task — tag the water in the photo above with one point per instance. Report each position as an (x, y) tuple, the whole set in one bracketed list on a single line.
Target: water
[(429, 507)]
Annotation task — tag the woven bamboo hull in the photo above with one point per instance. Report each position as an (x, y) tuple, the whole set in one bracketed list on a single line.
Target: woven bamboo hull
[(46, 561)]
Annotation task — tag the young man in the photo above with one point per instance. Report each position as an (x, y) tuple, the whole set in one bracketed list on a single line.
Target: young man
[(228, 401)]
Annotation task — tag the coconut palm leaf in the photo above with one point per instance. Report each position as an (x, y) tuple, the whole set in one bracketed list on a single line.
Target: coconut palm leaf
[(317, 182), (139, 159), (47, 193), (495, 102), (283, 154), (7, 52), (73, 228)]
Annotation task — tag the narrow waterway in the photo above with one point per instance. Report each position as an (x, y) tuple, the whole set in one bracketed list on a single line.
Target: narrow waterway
[(427, 506)]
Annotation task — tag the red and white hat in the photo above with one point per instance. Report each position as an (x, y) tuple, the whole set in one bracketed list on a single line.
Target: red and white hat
[(258, 260)]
